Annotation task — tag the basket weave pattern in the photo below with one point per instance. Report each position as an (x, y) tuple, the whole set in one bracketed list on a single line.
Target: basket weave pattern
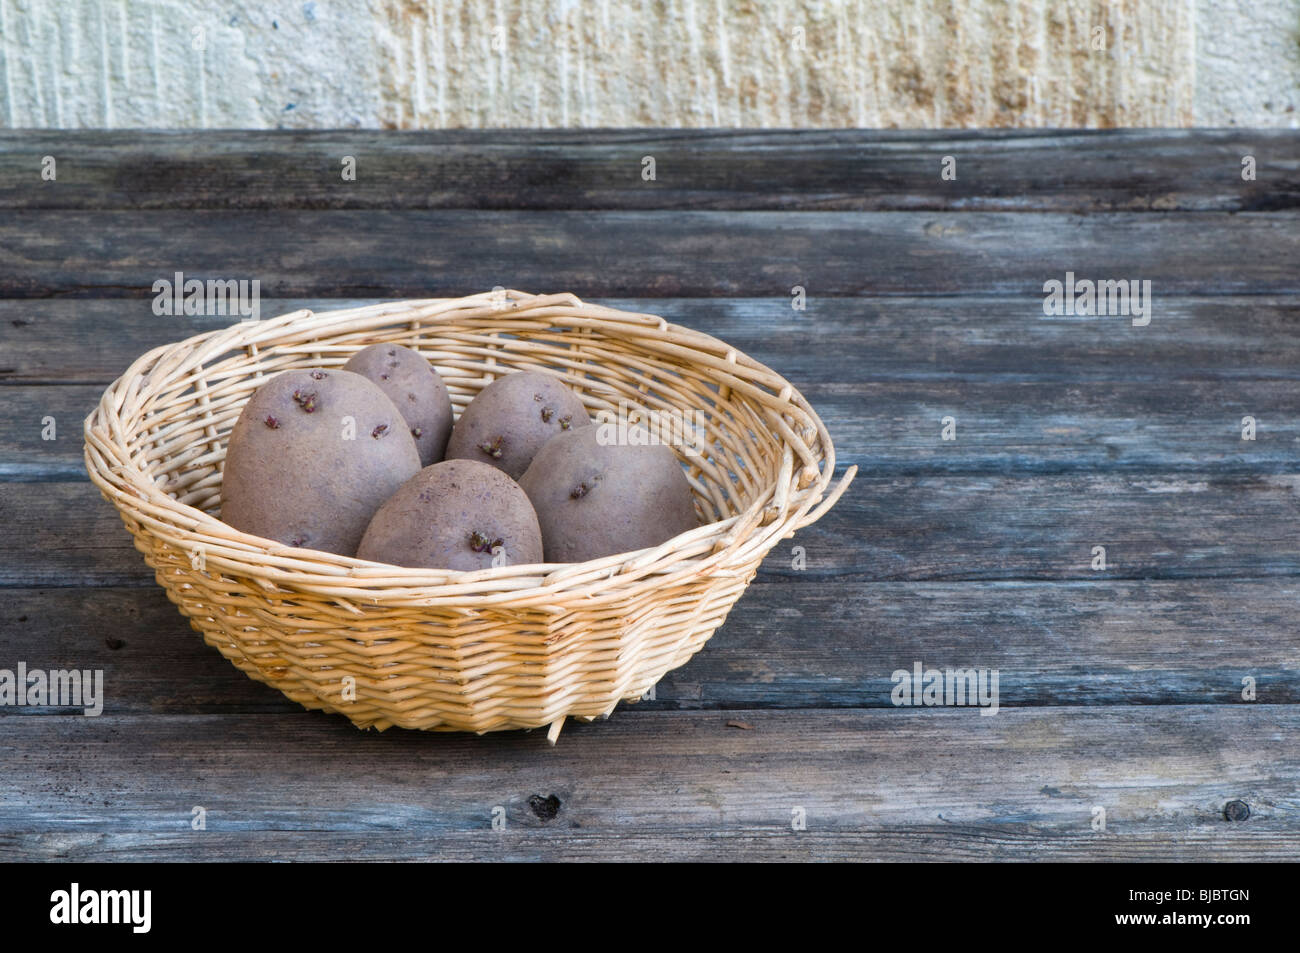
[(508, 647)]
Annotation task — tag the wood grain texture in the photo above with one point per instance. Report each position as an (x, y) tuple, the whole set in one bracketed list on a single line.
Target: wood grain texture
[(788, 643), (941, 527), (894, 428), (919, 784), (1120, 689), (923, 528), (877, 338), (1030, 394), (811, 170), (297, 253)]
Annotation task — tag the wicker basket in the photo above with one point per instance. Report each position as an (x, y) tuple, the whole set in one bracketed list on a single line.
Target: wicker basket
[(509, 647)]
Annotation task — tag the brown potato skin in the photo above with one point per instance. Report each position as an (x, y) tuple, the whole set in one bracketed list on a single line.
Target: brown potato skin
[(594, 501), (515, 416), (428, 523), (291, 476), (415, 389)]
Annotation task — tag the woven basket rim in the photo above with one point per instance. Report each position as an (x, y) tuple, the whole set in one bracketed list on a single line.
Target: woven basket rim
[(799, 497)]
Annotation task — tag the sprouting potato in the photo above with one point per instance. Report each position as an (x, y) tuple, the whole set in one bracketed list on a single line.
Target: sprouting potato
[(313, 455), (458, 514), (595, 500), (512, 418), (415, 388)]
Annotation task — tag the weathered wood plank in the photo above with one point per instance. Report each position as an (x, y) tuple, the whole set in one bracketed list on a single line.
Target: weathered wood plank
[(1157, 525), (1134, 169), (929, 784), (295, 253), (1171, 425), (937, 528), (891, 427), (1072, 432), (88, 533), (834, 339), (793, 643), (916, 843), (787, 644)]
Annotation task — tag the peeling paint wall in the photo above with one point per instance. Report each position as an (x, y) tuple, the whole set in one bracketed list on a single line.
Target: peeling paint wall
[(421, 64)]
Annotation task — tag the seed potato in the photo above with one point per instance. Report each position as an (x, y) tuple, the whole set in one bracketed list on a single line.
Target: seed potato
[(311, 458), (595, 500), (513, 418), (415, 388), (458, 514)]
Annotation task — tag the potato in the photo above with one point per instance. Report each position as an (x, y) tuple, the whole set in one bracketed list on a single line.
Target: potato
[(415, 387), (512, 418), (458, 514), (312, 457), (594, 501)]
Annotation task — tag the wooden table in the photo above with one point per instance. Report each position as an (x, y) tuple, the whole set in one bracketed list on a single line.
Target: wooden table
[(1121, 690)]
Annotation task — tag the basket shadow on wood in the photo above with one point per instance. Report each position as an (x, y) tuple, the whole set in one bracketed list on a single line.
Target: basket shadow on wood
[(503, 648)]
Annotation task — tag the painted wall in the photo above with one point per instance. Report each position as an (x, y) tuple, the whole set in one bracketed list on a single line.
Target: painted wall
[(419, 64)]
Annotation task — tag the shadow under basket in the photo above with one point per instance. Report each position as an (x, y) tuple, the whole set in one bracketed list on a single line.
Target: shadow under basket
[(502, 648)]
